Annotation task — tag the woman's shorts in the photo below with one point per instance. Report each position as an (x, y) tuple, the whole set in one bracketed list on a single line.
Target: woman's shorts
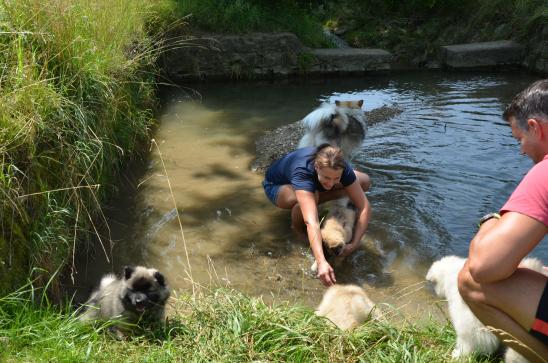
[(271, 190), (540, 326)]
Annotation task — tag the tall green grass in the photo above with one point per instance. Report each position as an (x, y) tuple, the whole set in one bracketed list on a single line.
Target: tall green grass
[(76, 96), (221, 326)]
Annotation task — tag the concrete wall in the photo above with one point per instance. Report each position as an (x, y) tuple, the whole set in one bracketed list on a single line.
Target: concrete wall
[(275, 55), (264, 55)]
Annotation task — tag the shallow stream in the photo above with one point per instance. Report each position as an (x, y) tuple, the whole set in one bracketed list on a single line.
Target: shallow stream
[(436, 168)]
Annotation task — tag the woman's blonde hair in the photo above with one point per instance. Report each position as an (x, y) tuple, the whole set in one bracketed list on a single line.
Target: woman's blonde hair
[(328, 156)]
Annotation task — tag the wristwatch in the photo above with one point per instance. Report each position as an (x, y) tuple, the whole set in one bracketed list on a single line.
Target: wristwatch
[(487, 217)]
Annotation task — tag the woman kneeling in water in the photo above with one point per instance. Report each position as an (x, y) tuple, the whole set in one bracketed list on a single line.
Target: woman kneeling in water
[(309, 176)]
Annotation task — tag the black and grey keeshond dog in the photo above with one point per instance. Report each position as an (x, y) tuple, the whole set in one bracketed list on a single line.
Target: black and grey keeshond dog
[(139, 297), (342, 124)]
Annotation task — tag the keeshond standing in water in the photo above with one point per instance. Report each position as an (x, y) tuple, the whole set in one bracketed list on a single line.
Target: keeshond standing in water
[(342, 124), (139, 297)]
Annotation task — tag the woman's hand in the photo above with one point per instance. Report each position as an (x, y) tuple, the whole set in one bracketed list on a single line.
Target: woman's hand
[(326, 273), (363, 209), (307, 204), (349, 249)]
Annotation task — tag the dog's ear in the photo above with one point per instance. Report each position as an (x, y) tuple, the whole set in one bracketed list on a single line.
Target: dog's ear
[(360, 103), (337, 103), (160, 278), (128, 271)]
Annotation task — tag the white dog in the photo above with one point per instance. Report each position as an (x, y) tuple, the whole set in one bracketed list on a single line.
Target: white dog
[(341, 124), (511, 356), (472, 335), (347, 306)]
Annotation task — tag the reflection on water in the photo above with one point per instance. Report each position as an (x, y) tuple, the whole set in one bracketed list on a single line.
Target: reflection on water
[(436, 168)]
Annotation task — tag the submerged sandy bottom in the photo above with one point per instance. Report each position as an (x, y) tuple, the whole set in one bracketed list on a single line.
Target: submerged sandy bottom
[(229, 234)]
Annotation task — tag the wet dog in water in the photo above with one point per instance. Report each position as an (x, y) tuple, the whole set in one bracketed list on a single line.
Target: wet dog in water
[(341, 124), (139, 297), (337, 229)]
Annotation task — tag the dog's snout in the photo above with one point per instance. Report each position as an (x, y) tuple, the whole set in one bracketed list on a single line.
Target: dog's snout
[(338, 250), (139, 298)]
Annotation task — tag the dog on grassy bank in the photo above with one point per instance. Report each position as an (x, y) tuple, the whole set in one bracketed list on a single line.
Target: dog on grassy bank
[(472, 335), (342, 124), (346, 306), (138, 297)]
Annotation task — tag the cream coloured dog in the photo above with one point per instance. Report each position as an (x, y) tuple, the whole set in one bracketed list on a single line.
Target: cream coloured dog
[(337, 229), (347, 306)]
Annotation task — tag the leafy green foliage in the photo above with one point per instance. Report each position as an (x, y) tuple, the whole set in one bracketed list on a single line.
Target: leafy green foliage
[(417, 28)]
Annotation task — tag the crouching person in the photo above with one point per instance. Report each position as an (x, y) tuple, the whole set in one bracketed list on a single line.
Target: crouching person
[(310, 176), (513, 300)]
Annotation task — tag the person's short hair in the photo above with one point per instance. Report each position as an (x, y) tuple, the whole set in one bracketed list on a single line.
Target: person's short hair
[(532, 102), (330, 157)]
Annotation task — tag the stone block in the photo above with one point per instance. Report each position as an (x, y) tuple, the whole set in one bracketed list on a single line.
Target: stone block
[(350, 60), (486, 54)]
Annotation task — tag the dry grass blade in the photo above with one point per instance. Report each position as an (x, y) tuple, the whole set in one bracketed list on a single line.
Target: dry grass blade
[(189, 271)]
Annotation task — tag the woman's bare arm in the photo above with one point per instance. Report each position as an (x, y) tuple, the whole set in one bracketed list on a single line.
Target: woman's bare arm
[(309, 210)]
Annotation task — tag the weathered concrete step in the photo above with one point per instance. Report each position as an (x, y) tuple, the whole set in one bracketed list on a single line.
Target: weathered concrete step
[(261, 55), (350, 60), (486, 54)]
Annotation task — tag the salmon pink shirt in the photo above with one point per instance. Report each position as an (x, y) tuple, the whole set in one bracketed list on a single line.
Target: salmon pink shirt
[(531, 195)]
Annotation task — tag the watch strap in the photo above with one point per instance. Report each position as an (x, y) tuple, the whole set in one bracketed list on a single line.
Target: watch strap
[(487, 217)]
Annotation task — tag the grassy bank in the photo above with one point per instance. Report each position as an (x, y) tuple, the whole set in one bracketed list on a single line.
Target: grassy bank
[(219, 325), (77, 94), (411, 30), (243, 16)]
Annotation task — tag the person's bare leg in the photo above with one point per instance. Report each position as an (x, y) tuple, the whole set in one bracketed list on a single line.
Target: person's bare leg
[(509, 305), (297, 223), (286, 198), (338, 191), (364, 179)]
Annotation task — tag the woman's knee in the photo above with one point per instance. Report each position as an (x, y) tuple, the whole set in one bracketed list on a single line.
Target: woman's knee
[(365, 181), (286, 198)]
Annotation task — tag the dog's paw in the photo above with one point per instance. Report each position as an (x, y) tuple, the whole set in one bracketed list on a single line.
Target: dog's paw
[(461, 353), (314, 268), (116, 333), (456, 353)]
